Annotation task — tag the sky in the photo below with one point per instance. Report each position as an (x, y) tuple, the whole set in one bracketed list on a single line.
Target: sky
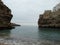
[(27, 11)]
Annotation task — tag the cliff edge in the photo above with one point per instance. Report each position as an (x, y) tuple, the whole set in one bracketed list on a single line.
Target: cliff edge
[(50, 18), (5, 16)]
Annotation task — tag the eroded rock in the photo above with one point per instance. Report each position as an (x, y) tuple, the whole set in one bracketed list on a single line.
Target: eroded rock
[(49, 18), (5, 16)]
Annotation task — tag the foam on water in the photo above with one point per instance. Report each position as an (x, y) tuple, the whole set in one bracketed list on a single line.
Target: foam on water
[(11, 41)]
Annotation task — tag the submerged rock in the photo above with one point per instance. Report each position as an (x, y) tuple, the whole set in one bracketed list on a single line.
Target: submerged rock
[(5, 16), (50, 18)]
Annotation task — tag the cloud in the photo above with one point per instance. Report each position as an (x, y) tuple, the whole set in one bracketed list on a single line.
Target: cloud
[(29, 10)]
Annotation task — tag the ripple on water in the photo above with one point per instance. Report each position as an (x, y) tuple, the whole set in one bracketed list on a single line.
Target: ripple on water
[(12, 41)]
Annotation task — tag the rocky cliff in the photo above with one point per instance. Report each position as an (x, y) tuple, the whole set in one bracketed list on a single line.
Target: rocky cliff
[(5, 16), (49, 19)]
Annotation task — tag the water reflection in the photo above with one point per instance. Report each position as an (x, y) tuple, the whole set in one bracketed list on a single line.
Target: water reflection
[(5, 33), (49, 33), (26, 35)]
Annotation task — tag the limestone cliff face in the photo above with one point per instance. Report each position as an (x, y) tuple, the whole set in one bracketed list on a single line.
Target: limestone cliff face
[(57, 7), (5, 15), (49, 19)]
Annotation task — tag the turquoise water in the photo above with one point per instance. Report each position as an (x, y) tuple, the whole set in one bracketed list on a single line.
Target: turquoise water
[(30, 35)]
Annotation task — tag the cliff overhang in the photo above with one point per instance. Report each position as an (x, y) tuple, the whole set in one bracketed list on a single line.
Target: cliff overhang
[(5, 16)]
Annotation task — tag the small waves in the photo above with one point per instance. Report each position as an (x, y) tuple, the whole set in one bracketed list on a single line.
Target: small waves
[(12, 41)]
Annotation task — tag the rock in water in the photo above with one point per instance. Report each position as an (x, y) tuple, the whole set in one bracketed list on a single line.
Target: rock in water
[(5, 16), (50, 18)]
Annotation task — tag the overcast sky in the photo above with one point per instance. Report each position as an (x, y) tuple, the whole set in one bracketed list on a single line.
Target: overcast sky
[(27, 11)]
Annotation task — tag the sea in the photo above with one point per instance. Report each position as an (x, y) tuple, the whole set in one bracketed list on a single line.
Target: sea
[(30, 35)]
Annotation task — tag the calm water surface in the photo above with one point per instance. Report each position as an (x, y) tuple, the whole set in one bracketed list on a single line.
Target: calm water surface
[(30, 35)]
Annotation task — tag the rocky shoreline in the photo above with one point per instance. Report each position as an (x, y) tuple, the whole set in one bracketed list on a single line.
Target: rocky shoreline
[(50, 18), (5, 16)]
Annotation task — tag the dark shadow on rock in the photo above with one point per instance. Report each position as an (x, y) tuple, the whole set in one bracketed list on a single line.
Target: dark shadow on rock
[(6, 28), (49, 29)]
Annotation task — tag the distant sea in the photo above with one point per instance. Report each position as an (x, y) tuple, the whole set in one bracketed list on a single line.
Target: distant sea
[(30, 35)]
